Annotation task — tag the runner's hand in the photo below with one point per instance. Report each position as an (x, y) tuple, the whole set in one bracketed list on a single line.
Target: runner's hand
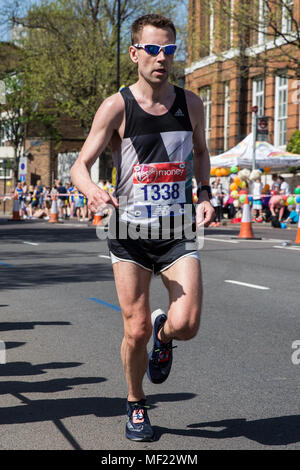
[(205, 213), (98, 199)]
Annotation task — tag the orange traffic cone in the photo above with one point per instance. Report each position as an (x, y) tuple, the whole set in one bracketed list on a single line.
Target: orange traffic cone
[(97, 218), (54, 211), (246, 227), (298, 232), (16, 210)]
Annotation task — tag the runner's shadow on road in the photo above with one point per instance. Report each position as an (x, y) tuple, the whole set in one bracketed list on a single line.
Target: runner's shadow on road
[(29, 325), (60, 408), (282, 430)]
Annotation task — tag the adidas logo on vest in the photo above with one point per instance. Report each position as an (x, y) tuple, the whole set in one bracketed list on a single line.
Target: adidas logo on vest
[(179, 112)]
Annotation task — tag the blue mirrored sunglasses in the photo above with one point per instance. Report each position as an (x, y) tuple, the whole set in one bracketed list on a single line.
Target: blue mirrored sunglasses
[(154, 49)]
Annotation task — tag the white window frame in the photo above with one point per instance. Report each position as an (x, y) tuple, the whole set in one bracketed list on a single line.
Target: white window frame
[(8, 175), (262, 24), (286, 23), (258, 95), (281, 111), (226, 115), (205, 94)]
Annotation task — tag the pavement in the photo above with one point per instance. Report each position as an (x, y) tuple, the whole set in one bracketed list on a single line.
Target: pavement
[(234, 386)]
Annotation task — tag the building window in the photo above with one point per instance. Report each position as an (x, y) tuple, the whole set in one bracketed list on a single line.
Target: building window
[(281, 107), (226, 115), (287, 15), (258, 95), (262, 21), (5, 173), (206, 29), (205, 94)]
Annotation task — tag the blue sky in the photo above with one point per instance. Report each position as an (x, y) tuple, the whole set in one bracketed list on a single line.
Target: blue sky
[(4, 28)]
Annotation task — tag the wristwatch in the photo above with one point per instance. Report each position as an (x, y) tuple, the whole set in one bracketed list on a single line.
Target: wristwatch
[(205, 187)]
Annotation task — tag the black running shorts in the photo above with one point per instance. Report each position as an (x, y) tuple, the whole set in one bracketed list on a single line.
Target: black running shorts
[(153, 255)]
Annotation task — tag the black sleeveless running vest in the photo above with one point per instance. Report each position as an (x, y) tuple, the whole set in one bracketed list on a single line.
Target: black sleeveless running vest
[(155, 161)]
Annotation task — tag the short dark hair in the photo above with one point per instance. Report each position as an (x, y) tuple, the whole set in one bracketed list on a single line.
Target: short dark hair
[(152, 19)]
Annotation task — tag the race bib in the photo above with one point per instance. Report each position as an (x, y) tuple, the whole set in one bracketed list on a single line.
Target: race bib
[(157, 187)]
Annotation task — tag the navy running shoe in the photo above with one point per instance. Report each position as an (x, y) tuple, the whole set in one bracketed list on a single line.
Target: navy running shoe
[(138, 427), (160, 357)]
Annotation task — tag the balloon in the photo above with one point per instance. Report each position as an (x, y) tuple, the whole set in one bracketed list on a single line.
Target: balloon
[(223, 171), (195, 199), (242, 184), (243, 198), (233, 186), (237, 180), (8, 183), (234, 169), (297, 190), (267, 169), (218, 172), (261, 170), (234, 194), (213, 171), (267, 187), (250, 198), (298, 199), (290, 200)]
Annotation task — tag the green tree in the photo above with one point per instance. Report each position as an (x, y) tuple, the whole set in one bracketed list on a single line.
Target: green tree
[(17, 110), (70, 51)]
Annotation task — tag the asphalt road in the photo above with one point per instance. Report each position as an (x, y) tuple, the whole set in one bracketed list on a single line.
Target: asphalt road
[(234, 386)]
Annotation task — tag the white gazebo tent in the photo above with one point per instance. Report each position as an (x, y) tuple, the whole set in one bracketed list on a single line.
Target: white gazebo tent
[(266, 155)]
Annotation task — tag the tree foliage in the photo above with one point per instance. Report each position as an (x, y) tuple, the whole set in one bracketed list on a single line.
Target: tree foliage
[(70, 49)]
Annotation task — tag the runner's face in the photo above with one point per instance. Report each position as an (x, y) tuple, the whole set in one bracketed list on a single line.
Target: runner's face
[(154, 69)]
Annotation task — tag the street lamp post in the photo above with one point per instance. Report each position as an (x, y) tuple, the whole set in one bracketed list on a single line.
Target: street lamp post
[(254, 110)]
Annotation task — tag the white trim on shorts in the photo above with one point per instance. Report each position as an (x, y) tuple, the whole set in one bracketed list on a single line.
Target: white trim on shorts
[(115, 259), (193, 254)]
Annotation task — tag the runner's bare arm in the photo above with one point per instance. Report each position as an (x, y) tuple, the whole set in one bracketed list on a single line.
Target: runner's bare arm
[(205, 212), (107, 120)]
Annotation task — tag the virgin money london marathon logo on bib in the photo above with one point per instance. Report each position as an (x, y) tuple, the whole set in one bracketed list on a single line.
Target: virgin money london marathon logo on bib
[(145, 173)]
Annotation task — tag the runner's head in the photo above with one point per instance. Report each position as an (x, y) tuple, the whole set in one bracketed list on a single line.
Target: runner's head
[(148, 32)]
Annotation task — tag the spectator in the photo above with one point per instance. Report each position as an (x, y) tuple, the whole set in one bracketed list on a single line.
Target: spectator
[(276, 206), (275, 184), (216, 202), (284, 187), (62, 208), (19, 192), (293, 217), (257, 207)]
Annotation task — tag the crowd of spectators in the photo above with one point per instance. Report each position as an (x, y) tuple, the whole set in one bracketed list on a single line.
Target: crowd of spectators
[(35, 201), (269, 203)]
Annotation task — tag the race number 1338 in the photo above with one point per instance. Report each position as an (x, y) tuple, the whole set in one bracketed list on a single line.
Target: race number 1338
[(159, 183)]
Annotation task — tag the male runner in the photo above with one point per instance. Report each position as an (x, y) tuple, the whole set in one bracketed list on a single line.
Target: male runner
[(156, 133)]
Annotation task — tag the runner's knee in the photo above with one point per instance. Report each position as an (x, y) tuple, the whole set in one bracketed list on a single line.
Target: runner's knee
[(186, 327), (137, 332)]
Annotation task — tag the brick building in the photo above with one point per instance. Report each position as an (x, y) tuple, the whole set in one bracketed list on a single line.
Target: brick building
[(224, 74)]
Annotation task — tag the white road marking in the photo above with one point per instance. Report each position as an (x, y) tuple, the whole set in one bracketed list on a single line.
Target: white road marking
[(254, 286), (221, 240), (287, 247), (30, 243)]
